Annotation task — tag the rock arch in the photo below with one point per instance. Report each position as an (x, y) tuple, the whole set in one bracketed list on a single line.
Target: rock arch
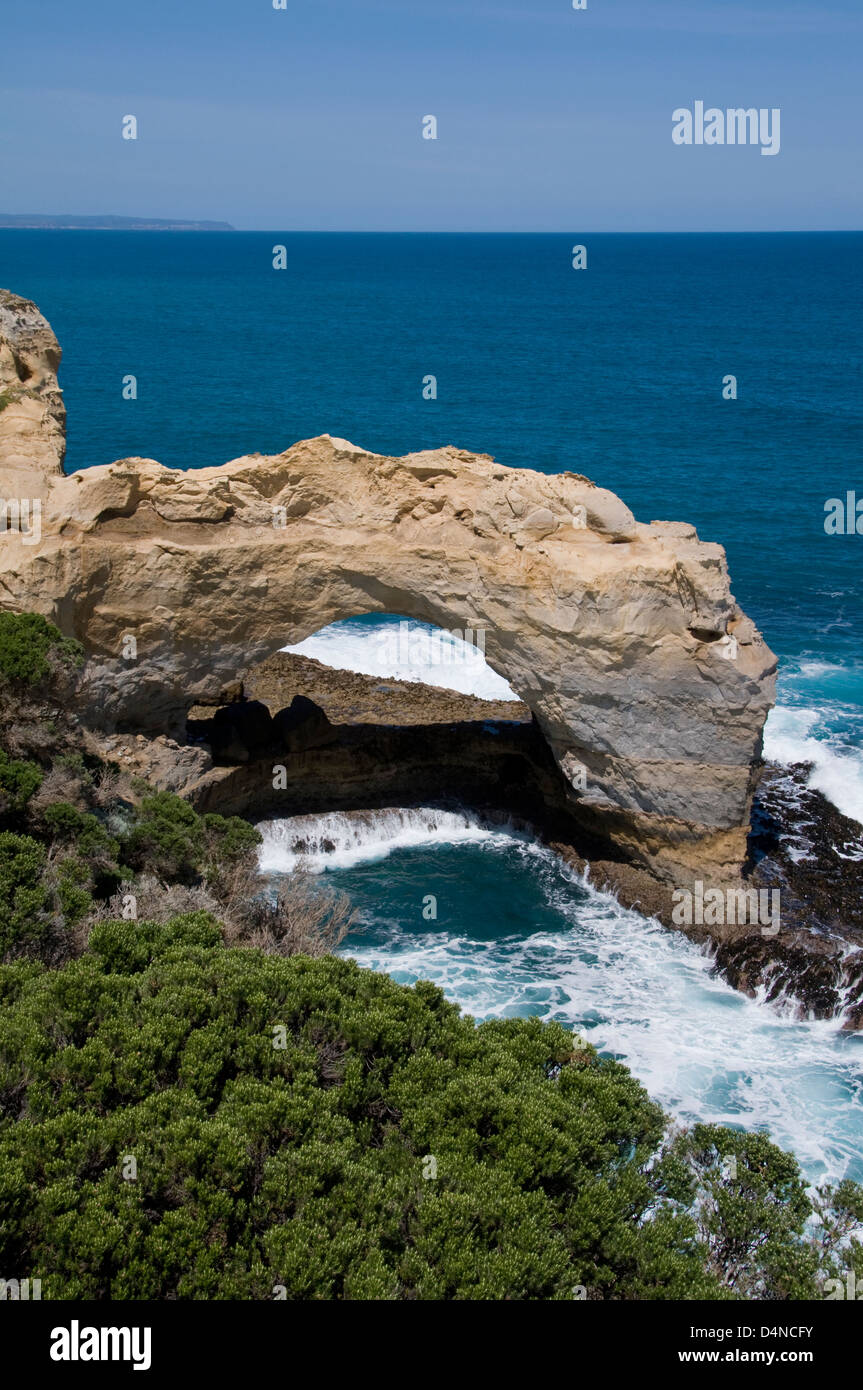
[(650, 685)]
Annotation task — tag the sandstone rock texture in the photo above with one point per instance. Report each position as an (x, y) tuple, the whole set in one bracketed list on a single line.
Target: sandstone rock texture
[(32, 413), (649, 684)]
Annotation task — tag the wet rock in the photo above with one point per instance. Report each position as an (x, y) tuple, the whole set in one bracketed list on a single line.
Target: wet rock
[(802, 845)]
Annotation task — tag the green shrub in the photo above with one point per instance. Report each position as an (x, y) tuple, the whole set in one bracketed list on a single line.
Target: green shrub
[(76, 764), (23, 896), (312, 1125), (125, 948), (86, 831), (171, 840), (168, 838), (26, 640), (229, 838), (19, 779), (753, 1212), (310, 1165), (74, 881)]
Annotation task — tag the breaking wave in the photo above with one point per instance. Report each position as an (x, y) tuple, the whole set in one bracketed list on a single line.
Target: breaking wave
[(339, 840), (519, 933), (401, 649)]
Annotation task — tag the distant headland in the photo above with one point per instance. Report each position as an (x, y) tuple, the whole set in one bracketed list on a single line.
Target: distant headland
[(107, 223)]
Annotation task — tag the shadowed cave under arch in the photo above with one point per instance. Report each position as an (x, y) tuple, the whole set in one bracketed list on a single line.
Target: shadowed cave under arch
[(418, 721)]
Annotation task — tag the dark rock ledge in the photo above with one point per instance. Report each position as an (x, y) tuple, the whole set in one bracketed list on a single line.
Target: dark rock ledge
[(357, 743)]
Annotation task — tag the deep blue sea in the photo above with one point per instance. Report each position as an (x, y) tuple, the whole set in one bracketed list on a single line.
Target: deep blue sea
[(616, 372)]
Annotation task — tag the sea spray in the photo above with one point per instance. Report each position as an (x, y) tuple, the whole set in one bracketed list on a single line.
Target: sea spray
[(401, 649), (518, 933), (338, 839)]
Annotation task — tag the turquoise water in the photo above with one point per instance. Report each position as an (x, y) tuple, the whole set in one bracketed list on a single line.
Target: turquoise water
[(615, 372), (517, 933)]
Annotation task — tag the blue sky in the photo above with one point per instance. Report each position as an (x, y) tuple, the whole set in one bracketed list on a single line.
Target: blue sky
[(549, 119)]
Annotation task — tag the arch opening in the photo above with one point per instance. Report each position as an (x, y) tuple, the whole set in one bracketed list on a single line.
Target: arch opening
[(376, 711)]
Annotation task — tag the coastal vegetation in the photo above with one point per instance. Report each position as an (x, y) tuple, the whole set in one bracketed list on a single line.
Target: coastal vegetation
[(198, 1100)]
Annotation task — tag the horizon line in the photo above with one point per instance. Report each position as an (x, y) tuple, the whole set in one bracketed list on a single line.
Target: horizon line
[(447, 231)]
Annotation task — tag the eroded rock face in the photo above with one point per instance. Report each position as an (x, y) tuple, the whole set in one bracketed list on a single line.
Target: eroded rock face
[(32, 413), (623, 639)]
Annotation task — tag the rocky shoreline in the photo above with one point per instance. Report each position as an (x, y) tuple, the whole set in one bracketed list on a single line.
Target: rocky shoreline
[(645, 687), (803, 845), (372, 744)]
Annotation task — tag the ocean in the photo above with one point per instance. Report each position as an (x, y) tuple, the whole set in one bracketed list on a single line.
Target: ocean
[(616, 372)]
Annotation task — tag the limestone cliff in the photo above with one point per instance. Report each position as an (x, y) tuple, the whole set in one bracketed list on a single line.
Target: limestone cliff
[(649, 684), (32, 413)]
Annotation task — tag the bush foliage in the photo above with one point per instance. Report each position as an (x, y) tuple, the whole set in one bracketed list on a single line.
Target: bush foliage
[(19, 779), (180, 1118), (183, 1120), (23, 894), (27, 642), (308, 1165)]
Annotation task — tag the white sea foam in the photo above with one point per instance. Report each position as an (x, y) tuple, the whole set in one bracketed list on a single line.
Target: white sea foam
[(637, 990), (340, 841), (837, 772), (789, 735), (413, 652)]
